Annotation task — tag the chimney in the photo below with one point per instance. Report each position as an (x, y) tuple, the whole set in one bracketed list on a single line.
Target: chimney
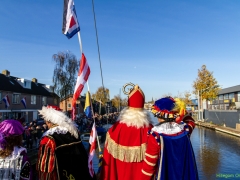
[(34, 80), (6, 72)]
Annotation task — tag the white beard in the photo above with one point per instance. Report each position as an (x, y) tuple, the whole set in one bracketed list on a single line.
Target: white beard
[(135, 117)]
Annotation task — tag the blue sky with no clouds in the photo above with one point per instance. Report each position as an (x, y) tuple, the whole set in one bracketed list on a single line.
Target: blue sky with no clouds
[(156, 44)]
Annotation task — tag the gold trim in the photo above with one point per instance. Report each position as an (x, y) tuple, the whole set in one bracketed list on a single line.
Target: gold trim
[(148, 174), (161, 158), (68, 144), (136, 88), (151, 156), (125, 153), (149, 163)]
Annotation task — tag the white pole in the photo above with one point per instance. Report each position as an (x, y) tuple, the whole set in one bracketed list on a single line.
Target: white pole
[(120, 100), (201, 105), (80, 44), (198, 107), (202, 109), (99, 148)]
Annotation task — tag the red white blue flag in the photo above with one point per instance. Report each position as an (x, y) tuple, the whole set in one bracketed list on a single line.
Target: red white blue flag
[(6, 101), (92, 142), (83, 74), (24, 102), (70, 23)]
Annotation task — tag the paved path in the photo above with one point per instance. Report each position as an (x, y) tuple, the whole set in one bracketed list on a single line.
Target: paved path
[(215, 127)]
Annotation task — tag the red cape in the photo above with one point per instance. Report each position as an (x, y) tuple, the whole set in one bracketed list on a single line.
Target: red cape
[(124, 152)]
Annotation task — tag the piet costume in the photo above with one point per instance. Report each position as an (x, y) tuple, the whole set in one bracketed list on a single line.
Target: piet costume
[(125, 143), (169, 154), (15, 166), (61, 153)]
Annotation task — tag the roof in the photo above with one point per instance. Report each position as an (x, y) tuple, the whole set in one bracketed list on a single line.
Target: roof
[(10, 83), (230, 90)]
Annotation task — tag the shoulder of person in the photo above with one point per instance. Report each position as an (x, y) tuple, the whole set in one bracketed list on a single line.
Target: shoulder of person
[(49, 141)]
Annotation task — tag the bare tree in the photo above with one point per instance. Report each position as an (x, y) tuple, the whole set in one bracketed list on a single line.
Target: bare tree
[(65, 73)]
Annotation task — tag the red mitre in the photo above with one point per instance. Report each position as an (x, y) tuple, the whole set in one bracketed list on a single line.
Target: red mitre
[(136, 98)]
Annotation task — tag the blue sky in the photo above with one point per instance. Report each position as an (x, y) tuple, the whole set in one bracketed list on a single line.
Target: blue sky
[(159, 45)]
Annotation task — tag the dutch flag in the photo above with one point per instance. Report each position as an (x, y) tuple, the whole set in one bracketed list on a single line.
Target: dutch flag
[(24, 102), (70, 23), (6, 101)]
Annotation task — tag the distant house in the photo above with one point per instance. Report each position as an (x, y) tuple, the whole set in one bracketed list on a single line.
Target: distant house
[(227, 99), (193, 106), (68, 101), (15, 88)]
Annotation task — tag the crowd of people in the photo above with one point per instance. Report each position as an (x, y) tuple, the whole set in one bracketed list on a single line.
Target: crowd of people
[(85, 124), (33, 133), (134, 149)]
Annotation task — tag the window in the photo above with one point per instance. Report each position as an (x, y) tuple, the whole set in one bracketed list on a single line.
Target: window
[(238, 96), (16, 98), (226, 107), (69, 105), (222, 106), (225, 96), (55, 101), (44, 101), (220, 97), (33, 99), (231, 96)]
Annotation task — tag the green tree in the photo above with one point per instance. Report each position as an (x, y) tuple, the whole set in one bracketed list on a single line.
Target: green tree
[(65, 73), (206, 84), (101, 95)]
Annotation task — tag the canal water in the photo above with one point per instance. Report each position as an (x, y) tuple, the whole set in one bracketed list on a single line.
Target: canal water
[(217, 154)]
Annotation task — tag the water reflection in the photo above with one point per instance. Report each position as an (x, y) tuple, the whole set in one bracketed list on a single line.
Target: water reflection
[(216, 153)]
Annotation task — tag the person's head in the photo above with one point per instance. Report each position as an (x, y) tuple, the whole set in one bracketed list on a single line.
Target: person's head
[(135, 114), (168, 109), (53, 117), (10, 135)]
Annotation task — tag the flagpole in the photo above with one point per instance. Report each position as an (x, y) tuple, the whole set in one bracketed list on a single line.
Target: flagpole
[(80, 42), (81, 51), (99, 148)]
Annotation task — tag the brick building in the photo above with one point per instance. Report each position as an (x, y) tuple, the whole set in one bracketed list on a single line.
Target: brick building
[(35, 93)]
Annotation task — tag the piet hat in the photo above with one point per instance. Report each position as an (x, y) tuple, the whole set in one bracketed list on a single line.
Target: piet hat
[(136, 97), (9, 128), (169, 109), (54, 115)]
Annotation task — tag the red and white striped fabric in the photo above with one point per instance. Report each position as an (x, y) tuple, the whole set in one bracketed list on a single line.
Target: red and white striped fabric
[(92, 142), (83, 74)]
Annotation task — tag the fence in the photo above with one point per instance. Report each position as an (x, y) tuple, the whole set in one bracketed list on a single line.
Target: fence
[(229, 118)]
